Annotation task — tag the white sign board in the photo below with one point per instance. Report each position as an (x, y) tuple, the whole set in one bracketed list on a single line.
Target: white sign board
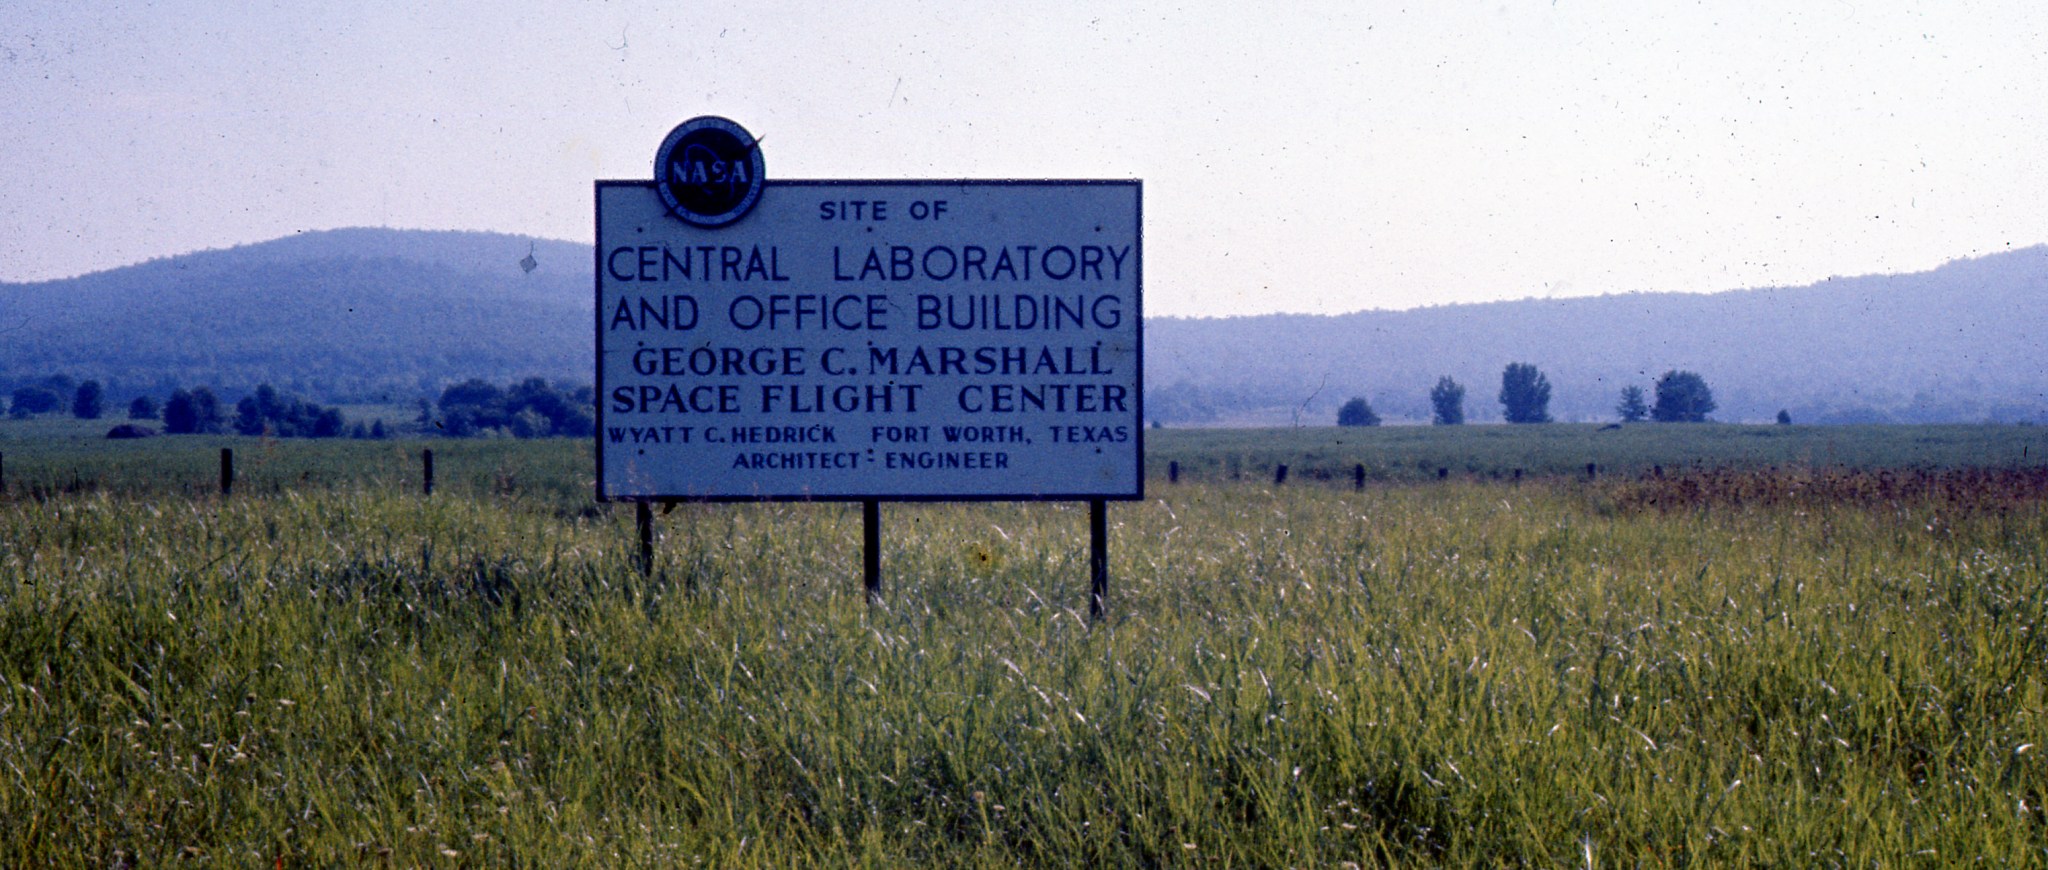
[(956, 340)]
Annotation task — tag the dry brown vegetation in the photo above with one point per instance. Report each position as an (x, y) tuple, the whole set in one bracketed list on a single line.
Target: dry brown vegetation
[(1948, 490)]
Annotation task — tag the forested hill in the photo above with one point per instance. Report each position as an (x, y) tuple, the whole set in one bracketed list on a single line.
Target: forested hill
[(1963, 343), (354, 313), (397, 314)]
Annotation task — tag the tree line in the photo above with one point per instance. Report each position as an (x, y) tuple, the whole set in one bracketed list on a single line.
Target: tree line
[(197, 411), (532, 408), (1681, 397), (56, 393)]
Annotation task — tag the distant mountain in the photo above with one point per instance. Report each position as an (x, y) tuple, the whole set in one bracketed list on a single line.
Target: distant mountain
[(1964, 342), (341, 314), (397, 314)]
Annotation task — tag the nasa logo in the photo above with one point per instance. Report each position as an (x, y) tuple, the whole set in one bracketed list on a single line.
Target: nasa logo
[(709, 171)]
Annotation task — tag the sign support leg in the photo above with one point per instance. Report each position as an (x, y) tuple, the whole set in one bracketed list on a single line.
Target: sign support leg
[(1098, 557), (871, 549), (643, 520)]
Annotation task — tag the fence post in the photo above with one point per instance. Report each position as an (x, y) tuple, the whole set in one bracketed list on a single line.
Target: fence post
[(427, 471), (1279, 475), (1443, 473), (3, 473), (1173, 472), (1358, 476), (1592, 471), (227, 471)]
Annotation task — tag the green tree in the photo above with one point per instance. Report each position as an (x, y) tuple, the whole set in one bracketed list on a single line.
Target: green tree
[(1633, 409), (143, 408), (206, 411), (1447, 402), (30, 401), (1682, 397), (328, 423), (181, 415), (269, 406), (1784, 417), (1524, 394), (267, 411), (89, 402), (1357, 412), (248, 417), (471, 407), (528, 409)]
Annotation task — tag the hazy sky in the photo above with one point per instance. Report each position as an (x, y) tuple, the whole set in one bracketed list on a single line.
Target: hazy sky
[(1296, 157)]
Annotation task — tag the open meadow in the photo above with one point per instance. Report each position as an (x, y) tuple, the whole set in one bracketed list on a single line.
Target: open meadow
[(1797, 646)]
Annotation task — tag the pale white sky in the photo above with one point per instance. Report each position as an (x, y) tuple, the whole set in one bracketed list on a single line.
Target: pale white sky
[(1316, 157)]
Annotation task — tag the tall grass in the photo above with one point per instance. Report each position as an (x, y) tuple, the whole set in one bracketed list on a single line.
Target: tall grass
[(1466, 673)]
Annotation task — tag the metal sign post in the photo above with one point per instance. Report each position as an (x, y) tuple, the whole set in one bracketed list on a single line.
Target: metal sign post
[(871, 549), (1098, 558)]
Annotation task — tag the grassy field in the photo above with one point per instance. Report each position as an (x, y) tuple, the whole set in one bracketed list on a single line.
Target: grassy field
[(1406, 453), (71, 457), (1753, 659), (62, 455)]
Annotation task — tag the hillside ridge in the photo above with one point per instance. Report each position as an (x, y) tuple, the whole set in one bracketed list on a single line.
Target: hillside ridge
[(378, 313)]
